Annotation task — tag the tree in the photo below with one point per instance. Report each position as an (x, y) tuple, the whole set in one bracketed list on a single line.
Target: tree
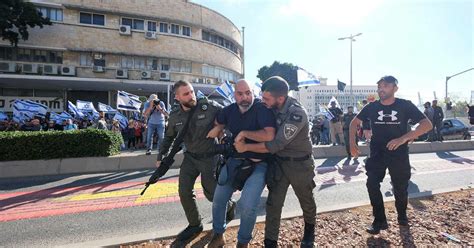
[(16, 16), (284, 70)]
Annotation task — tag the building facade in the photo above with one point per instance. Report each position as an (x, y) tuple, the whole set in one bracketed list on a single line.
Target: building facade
[(312, 97), (95, 48)]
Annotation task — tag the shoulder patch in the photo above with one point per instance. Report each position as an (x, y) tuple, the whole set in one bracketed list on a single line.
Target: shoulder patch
[(289, 130), (204, 107)]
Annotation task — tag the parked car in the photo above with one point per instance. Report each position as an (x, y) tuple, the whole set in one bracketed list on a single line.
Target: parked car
[(452, 129)]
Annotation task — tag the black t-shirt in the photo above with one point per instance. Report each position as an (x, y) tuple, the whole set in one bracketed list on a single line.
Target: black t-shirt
[(336, 112), (389, 122)]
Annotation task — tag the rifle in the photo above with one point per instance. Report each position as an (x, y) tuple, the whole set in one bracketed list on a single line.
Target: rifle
[(167, 161)]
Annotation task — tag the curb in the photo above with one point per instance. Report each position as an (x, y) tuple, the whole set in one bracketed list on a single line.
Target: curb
[(145, 237)]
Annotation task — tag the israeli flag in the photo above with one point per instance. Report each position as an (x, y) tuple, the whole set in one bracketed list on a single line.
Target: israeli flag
[(73, 109), (333, 99), (257, 89), (3, 116), (65, 115), (200, 95), (27, 109), (226, 90), (305, 78), (106, 108), (323, 110), (123, 121), (85, 106), (127, 101)]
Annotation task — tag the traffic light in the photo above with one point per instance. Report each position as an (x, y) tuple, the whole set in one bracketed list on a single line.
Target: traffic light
[(449, 105)]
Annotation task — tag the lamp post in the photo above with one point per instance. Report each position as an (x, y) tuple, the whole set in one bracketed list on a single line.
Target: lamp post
[(449, 77), (351, 38)]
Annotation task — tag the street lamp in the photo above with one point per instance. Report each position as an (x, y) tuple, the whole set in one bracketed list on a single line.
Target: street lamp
[(351, 37), (449, 77)]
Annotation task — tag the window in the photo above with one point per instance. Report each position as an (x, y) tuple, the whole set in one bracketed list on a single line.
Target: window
[(94, 19), (85, 59), (163, 27), (186, 31), (139, 63), (174, 29), (186, 66), (127, 22), (457, 123), (175, 65), (164, 64), (127, 62), (24, 54), (151, 26), (52, 13), (138, 24), (40, 56)]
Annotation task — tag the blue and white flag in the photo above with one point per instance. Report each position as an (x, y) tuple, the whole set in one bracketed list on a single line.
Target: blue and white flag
[(333, 99), (85, 106), (106, 108), (123, 121), (323, 110), (200, 95), (73, 109), (257, 89), (305, 78), (65, 115), (27, 110), (226, 90), (127, 101), (3, 116)]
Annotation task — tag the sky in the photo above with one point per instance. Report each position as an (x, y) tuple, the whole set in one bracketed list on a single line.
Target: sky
[(420, 42)]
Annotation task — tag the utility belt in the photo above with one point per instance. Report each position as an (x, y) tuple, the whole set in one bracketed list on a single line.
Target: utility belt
[(200, 155), (297, 159)]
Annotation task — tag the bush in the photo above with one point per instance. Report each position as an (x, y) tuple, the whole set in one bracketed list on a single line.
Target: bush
[(58, 144)]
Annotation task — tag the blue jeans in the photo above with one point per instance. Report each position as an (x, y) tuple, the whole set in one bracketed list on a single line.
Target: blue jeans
[(248, 202), (160, 129)]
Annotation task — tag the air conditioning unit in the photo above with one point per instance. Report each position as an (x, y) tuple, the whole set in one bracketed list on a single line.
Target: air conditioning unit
[(165, 75), (121, 73), (7, 67), (150, 35), (29, 68), (146, 74), (68, 70), (125, 30), (50, 69), (97, 68)]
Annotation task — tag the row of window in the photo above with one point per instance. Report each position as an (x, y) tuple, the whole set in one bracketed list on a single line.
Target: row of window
[(54, 14), (141, 63), (216, 39), (31, 55), (30, 92), (345, 91), (212, 71), (140, 24)]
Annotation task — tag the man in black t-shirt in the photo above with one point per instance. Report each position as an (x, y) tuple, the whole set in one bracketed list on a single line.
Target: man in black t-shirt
[(335, 124), (388, 118)]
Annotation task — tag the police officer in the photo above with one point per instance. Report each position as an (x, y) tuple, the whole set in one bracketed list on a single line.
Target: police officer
[(388, 118), (199, 158), (294, 160)]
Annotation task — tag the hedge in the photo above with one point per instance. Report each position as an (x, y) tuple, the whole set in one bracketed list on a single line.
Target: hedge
[(58, 144)]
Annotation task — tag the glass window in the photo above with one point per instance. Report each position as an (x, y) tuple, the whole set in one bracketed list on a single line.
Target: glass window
[(40, 56), (25, 92), (175, 65), (98, 19), (138, 24), (174, 29), (164, 27), (127, 22), (186, 66), (24, 54), (457, 123), (48, 93), (85, 59), (151, 26), (154, 64), (139, 63), (206, 36), (164, 64), (85, 18), (186, 31), (127, 62)]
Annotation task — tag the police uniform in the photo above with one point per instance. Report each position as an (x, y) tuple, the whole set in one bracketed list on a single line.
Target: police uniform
[(294, 166), (199, 158)]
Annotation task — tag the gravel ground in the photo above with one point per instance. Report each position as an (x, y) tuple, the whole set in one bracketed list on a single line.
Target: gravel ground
[(450, 213)]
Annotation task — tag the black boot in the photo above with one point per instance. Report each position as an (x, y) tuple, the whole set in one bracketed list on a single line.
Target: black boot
[(402, 219), (376, 227), (270, 243), (189, 233), (308, 238)]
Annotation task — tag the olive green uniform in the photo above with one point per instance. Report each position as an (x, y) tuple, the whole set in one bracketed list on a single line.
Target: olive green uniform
[(198, 156), (294, 166)]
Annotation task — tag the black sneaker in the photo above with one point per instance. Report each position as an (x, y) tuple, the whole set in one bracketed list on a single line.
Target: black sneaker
[(308, 237), (268, 243), (402, 220), (189, 232), (148, 152), (376, 227), (230, 215)]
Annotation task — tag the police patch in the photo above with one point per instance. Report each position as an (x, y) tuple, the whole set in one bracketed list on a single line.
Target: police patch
[(201, 116), (204, 107), (178, 123), (289, 130), (295, 117)]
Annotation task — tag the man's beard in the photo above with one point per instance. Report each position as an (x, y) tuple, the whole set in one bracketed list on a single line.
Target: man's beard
[(189, 104), (245, 106)]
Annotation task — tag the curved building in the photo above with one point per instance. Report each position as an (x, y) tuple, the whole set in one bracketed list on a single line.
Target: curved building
[(95, 48)]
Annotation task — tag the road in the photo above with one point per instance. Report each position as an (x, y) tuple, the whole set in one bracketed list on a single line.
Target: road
[(60, 210)]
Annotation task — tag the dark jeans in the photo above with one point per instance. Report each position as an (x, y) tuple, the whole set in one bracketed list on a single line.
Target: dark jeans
[(131, 141), (437, 125), (399, 169)]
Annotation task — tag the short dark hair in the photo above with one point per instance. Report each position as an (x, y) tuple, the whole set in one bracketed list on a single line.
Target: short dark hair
[(276, 85), (364, 101), (180, 83), (388, 79)]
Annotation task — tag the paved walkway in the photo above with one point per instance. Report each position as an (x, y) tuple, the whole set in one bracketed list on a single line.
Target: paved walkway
[(62, 200)]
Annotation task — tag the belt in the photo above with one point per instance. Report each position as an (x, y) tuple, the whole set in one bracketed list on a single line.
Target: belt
[(201, 155), (295, 159)]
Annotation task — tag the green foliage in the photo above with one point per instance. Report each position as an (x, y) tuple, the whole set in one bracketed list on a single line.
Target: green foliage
[(284, 70), (16, 16), (58, 144)]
